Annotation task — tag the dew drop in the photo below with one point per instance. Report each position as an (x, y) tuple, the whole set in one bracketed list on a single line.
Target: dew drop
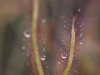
[(43, 42), (23, 47), (61, 49), (58, 62), (62, 16), (83, 23), (75, 71), (27, 34), (81, 34), (63, 40), (63, 55), (43, 20), (80, 25), (75, 29), (64, 21), (44, 49), (62, 32), (81, 42), (62, 61), (79, 10), (63, 43), (43, 58), (46, 66)]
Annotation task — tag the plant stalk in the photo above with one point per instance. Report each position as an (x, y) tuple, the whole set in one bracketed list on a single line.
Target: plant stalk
[(34, 36), (71, 48)]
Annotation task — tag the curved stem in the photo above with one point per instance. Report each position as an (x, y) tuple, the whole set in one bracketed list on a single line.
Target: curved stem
[(34, 36), (71, 48)]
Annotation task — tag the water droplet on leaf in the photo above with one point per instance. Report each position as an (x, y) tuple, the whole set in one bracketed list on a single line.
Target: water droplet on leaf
[(81, 42), (43, 20), (58, 62), (63, 55), (43, 58), (27, 34), (79, 10), (44, 49), (23, 47)]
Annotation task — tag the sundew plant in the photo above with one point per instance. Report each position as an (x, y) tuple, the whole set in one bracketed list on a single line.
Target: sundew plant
[(41, 33), (50, 37)]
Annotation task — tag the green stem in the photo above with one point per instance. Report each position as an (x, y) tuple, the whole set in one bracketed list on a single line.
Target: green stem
[(71, 49), (34, 36)]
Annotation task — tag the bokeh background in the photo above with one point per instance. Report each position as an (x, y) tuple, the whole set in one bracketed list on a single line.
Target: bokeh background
[(15, 18)]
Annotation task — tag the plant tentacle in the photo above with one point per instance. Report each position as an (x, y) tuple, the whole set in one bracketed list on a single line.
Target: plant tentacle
[(34, 36)]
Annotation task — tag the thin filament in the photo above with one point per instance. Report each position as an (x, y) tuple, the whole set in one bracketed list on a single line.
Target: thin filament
[(71, 48), (34, 36)]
